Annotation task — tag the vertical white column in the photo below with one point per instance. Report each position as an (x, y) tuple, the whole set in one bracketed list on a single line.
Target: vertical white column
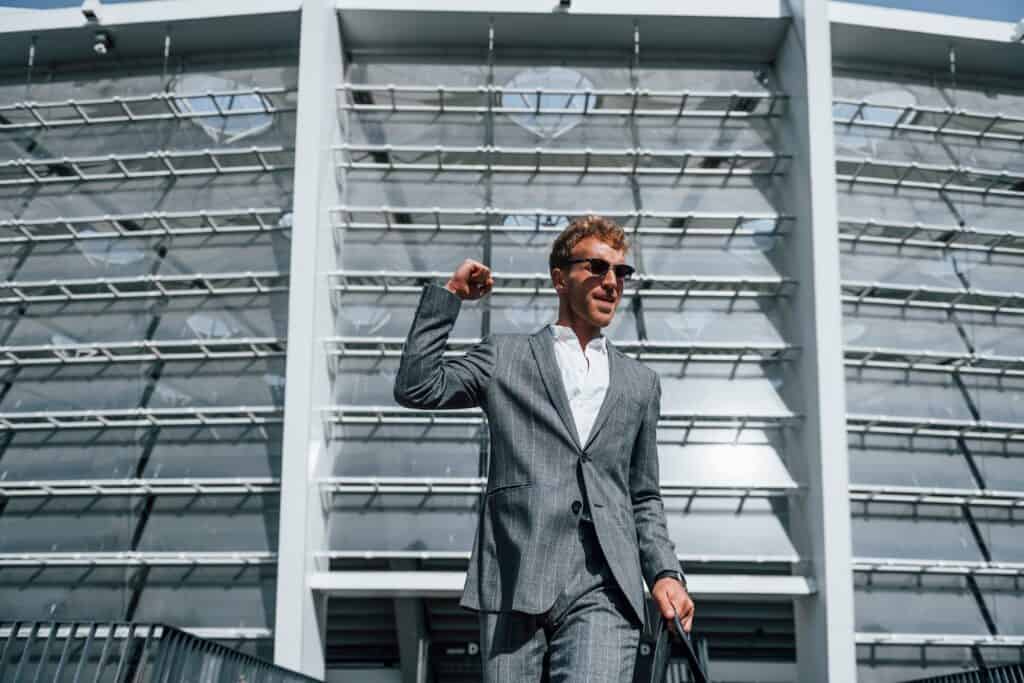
[(820, 518), (300, 617)]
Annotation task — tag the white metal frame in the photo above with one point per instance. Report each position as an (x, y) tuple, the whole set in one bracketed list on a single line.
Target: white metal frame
[(948, 362), (159, 163), (726, 164), (900, 234), (671, 103), (892, 565), (424, 486), (131, 418), (489, 219), (61, 488), (161, 106), (987, 124), (142, 287), (824, 602), (137, 559), (150, 224), (539, 284), (142, 351), (448, 584)]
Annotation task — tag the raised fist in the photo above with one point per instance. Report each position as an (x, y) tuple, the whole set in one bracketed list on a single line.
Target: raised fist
[(471, 280)]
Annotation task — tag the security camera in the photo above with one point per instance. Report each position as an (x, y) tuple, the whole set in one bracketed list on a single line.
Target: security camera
[(91, 10), (1018, 32), (103, 43)]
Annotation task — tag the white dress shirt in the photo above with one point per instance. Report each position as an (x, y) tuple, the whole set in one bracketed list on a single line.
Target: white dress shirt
[(584, 376)]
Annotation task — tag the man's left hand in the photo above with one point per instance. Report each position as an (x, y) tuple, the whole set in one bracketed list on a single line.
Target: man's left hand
[(672, 599)]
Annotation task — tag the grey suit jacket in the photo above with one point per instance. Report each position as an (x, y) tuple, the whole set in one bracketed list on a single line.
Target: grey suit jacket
[(520, 554)]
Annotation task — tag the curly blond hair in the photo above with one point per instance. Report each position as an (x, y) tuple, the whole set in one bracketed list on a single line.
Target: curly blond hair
[(605, 229)]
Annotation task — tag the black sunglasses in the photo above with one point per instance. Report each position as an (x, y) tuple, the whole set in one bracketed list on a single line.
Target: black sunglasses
[(598, 266)]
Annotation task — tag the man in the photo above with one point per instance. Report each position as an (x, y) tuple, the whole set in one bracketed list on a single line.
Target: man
[(572, 522)]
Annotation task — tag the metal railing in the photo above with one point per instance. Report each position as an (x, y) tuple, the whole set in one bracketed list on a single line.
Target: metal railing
[(539, 284), (504, 220), (725, 163), (33, 652), (491, 99), (159, 106), (160, 163), (1012, 673)]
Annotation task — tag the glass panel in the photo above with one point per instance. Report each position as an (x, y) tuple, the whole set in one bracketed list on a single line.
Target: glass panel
[(962, 242), (495, 177), (146, 206)]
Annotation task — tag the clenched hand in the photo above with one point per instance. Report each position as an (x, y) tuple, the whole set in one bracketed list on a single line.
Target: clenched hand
[(471, 280)]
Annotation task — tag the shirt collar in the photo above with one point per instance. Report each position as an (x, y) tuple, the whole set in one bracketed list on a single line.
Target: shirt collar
[(561, 333)]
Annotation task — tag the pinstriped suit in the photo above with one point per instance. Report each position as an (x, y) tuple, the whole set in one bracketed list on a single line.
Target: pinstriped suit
[(528, 529)]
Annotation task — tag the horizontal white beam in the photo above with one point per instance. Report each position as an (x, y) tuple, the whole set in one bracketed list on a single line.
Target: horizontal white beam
[(535, 220), (140, 417), (161, 163), (939, 640), (341, 414), (138, 487), (143, 225), (947, 362), (448, 584), (930, 495), (892, 19), (931, 235), (725, 163), (138, 559), (143, 287), (749, 9), (894, 565), (162, 106), (920, 426), (539, 284), (482, 99), (141, 351), (427, 555), (391, 347), (425, 486), (154, 11)]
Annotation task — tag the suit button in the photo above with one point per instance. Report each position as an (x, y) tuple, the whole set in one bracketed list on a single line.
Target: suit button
[(585, 457), (576, 507)]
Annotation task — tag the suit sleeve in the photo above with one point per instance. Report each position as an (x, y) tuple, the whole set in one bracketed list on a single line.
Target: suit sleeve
[(428, 381), (657, 552)]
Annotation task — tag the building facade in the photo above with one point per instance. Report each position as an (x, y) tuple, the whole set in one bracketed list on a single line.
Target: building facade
[(217, 218)]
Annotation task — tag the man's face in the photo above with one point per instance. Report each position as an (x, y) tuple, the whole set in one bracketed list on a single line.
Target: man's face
[(590, 297)]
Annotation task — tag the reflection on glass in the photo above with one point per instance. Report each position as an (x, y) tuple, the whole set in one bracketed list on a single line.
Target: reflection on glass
[(208, 326), (885, 107), (522, 228), (209, 107), (559, 79), (108, 252)]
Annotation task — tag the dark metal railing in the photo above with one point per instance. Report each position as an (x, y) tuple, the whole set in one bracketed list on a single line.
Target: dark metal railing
[(1013, 673), (77, 652)]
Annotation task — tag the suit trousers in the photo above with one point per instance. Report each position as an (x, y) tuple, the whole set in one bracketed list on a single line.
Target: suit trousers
[(590, 633)]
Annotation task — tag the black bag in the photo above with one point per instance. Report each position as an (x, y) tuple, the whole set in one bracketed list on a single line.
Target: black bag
[(658, 645)]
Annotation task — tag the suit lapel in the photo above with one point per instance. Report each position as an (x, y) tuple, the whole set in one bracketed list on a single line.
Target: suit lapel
[(543, 346), (616, 391)]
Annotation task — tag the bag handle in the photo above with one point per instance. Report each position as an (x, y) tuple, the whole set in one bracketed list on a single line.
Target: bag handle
[(689, 653)]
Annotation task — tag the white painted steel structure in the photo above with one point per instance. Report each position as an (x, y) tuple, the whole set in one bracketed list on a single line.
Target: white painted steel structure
[(824, 203)]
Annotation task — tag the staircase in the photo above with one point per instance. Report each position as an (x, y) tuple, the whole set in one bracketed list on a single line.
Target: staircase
[(59, 652)]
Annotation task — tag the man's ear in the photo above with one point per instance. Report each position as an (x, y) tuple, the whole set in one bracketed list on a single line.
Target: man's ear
[(558, 279)]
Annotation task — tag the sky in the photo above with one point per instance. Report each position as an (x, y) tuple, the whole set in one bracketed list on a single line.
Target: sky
[(1002, 10)]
